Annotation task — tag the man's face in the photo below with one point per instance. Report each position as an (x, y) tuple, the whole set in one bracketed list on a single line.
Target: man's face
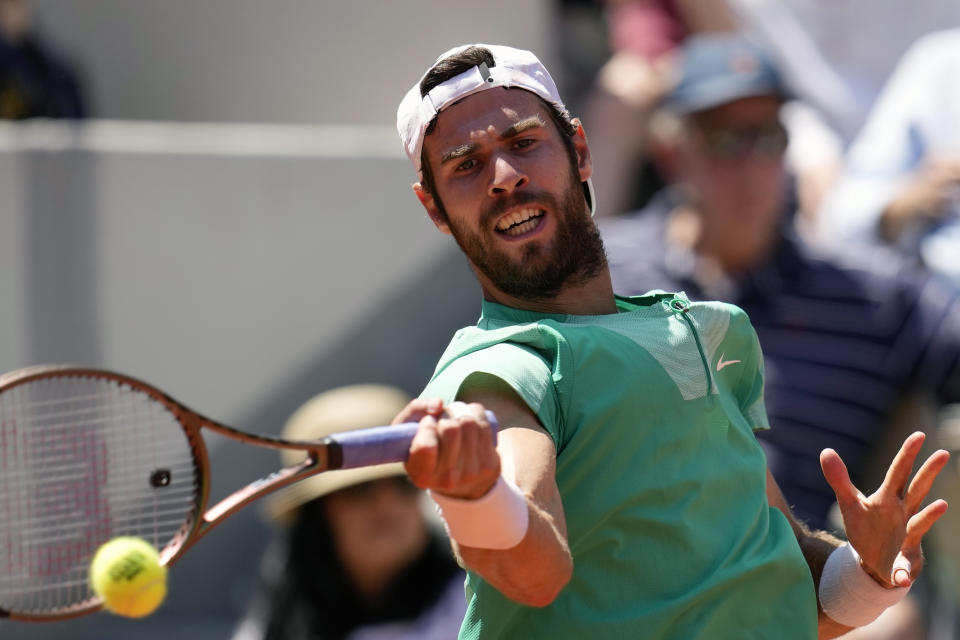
[(731, 158), (509, 192)]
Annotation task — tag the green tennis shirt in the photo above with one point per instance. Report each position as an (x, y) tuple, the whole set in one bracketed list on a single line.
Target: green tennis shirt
[(652, 411)]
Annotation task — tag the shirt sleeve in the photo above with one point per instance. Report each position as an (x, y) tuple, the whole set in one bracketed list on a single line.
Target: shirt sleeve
[(749, 388), (525, 371), (752, 402)]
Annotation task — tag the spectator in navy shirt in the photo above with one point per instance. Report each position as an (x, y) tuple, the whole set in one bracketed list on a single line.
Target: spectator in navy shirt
[(845, 342)]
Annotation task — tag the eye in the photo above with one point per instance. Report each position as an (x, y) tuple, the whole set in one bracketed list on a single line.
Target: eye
[(523, 143), (466, 165)]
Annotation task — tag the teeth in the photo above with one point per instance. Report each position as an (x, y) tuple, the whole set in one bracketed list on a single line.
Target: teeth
[(523, 218)]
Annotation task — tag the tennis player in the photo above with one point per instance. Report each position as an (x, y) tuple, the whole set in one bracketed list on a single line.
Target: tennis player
[(627, 495)]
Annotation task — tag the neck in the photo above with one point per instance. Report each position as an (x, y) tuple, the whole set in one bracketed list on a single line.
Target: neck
[(592, 297), (371, 577), (370, 585), (734, 251)]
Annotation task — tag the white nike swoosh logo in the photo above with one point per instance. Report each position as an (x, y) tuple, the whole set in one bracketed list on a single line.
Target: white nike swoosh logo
[(721, 364)]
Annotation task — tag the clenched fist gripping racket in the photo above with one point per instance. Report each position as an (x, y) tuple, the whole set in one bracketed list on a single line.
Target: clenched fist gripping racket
[(87, 455)]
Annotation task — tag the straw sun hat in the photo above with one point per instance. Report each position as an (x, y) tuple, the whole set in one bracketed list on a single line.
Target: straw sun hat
[(341, 409)]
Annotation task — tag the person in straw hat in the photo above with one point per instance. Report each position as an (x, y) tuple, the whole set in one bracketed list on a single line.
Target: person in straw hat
[(358, 557)]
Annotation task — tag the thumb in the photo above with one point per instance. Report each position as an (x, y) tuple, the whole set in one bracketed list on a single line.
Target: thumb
[(835, 472)]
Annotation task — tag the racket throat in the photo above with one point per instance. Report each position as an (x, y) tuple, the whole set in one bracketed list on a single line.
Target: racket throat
[(334, 453)]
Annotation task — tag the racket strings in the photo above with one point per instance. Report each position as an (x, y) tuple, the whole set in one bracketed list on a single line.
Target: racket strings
[(76, 459)]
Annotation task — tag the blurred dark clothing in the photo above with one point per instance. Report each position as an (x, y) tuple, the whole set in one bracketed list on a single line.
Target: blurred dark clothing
[(844, 340), (306, 594), (36, 82)]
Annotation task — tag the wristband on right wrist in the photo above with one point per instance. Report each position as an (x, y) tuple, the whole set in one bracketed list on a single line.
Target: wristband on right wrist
[(497, 520)]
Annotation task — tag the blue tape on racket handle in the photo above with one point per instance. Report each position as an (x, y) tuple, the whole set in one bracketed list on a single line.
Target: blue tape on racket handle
[(379, 445)]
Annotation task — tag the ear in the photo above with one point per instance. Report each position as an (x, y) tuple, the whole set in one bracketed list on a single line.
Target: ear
[(584, 161), (430, 204)]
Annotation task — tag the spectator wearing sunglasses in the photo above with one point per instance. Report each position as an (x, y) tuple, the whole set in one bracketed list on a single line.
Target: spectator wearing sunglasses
[(849, 343)]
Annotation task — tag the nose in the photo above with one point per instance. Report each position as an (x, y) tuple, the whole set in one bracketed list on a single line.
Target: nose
[(507, 177)]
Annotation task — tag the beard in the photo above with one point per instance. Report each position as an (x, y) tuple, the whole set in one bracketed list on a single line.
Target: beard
[(573, 256)]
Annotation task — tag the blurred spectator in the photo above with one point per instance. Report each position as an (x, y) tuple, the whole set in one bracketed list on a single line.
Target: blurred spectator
[(847, 344), (901, 184), (835, 57), (643, 36), (359, 560), (35, 82)]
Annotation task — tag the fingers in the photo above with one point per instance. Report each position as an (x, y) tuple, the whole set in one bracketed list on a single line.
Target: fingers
[(923, 480), (424, 450), (451, 466), (418, 408), (920, 523), (467, 451), (900, 469), (835, 472), (454, 454), (909, 561)]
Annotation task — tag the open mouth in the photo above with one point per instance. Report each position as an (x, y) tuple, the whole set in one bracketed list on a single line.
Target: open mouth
[(520, 222)]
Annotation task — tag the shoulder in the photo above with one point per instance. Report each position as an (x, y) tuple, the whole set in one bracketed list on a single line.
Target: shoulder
[(523, 366), (724, 327), (719, 311)]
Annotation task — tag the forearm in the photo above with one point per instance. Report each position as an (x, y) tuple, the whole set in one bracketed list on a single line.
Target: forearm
[(534, 571), (816, 547)]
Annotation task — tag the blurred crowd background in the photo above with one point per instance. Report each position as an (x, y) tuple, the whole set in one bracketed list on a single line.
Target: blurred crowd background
[(211, 196)]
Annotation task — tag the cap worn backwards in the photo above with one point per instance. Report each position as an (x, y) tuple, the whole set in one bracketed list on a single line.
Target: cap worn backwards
[(512, 68)]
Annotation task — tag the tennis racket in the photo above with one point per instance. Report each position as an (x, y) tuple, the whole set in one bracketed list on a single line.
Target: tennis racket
[(87, 455)]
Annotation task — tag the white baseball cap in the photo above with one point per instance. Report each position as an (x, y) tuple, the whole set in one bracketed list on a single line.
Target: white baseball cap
[(512, 68)]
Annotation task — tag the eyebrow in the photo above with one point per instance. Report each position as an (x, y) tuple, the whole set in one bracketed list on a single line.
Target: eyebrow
[(512, 131), (519, 127)]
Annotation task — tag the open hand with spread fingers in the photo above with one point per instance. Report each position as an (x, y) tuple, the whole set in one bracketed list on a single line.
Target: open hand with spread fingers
[(886, 527)]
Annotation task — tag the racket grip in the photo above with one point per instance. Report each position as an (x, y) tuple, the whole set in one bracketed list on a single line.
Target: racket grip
[(380, 445)]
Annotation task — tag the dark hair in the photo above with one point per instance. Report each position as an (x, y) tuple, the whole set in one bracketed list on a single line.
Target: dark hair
[(454, 65), (312, 597)]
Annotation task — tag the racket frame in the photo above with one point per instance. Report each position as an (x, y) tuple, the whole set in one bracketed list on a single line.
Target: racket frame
[(322, 455)]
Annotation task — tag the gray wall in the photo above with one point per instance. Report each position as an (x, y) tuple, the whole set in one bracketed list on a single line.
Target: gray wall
[(240, 282), (240, 268), (303, 61)]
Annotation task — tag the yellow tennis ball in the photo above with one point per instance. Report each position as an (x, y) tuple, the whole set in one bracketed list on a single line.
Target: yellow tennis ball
[(126, 572)]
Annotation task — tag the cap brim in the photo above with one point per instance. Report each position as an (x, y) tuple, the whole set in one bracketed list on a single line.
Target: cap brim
[(722, 92)]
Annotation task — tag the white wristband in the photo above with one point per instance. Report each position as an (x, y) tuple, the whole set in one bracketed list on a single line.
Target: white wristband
[(497, 520), (848, 594)]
